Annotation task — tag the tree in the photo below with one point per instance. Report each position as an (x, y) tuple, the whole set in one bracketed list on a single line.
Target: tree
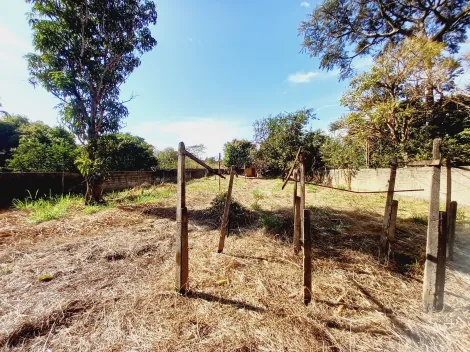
[(167, 158), (279, 137), (339, 31), (386, 102), (85, 51), (238, 153), (44, 149), (126, 152), (10, 132)]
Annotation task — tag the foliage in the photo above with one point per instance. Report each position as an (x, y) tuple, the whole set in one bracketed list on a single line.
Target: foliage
[(10, 133), (342, 153), (167, 158), (126, 152), (397, 95), (44, 149), (339, 31), (85, 51), (279, 138), (238, 153)]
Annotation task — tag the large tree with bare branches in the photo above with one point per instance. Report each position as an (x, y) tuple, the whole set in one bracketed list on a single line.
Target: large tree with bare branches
[(340, 30), (85, 51)]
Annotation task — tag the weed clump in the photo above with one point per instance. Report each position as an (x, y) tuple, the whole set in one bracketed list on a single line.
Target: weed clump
[(239, 216)]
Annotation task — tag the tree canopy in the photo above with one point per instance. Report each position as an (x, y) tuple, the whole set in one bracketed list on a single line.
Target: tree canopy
[(238, 153), (339, 31), (10, 133), (85, 51), (44, 149)]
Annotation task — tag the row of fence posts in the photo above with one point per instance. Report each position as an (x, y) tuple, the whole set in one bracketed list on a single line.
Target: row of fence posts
[(440, 232)]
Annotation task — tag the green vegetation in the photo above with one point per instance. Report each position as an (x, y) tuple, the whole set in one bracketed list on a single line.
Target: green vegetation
[(56, 207), (238, 153), (83, 55)]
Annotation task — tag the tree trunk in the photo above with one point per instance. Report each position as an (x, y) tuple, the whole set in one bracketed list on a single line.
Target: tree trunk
[(94, 179)]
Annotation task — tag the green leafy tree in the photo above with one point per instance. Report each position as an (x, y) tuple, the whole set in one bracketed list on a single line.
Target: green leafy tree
[(167, 158), (44, 149), (238, 153), (387, 102), (279, 137), (126, 152), (339, 31), (10, 133), (85, 51)]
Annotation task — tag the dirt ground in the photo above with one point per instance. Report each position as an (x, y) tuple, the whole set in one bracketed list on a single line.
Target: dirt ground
[(105, 282)]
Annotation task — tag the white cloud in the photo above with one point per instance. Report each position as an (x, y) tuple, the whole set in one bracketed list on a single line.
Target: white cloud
[(301, 77), (190, 39), (305, 4), (213, 132)]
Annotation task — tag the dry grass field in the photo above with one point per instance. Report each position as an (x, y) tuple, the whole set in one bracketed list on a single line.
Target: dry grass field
[(102, 279)]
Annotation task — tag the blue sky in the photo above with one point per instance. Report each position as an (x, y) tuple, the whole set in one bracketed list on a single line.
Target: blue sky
[(219, 65)]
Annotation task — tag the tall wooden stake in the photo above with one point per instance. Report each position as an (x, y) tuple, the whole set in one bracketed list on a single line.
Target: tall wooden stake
[(302, 192), (297, 215), (430, 267), (219, 172), (307, 258), (393, 229), (384, 238), (441, 260), (224, 225), (182, 226), (451, 222)]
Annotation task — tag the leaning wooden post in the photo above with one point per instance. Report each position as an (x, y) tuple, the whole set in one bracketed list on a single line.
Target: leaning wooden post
[(297, 216), (384, 241), (430, 267), (224, 225), (307, 258), (451, 222), (182, 225), (441, 260), (302, 192), (393, 229)]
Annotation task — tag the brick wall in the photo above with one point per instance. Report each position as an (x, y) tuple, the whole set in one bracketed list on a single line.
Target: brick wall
[(18, 185)]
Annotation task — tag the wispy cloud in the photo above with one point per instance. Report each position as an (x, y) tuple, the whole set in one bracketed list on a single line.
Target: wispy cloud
[(305, 4), (190, 39), (301, 77)]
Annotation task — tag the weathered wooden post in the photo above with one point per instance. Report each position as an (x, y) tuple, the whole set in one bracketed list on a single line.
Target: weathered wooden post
[(182, 225), (384, 238), (297, 215), (393, 229), (441, 260), (430, 267), (307, 258), (451, 222), (302, 192), (219, 172), (224, 225)]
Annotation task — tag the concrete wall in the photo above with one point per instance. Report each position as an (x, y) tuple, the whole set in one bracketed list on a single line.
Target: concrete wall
[(19, 185), (407, 178)]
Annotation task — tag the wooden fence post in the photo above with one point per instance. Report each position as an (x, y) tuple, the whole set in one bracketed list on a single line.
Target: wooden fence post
[(182, 225), (297, 216), (384, 238), (219, 172), (451, 222), (307, 258), (430, 267), (302, 193), (441, 260), (224, 225), (393, 229)]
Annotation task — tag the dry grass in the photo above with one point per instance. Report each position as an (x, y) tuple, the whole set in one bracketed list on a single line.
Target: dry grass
[(111, 276)]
